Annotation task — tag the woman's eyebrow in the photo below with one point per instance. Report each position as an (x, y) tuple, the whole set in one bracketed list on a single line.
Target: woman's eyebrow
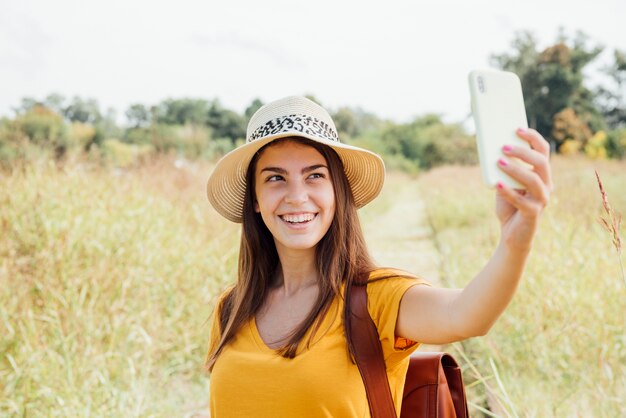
[(313, 168), (275, 170), (304, 170)]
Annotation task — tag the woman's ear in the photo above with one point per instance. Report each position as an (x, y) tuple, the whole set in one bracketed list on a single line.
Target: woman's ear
[(256, 207)]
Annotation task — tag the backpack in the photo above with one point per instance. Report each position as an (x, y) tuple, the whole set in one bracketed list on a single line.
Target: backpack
[(434, 384)]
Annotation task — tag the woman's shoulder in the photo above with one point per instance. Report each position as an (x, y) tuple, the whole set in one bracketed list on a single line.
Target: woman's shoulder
[(382, 274), (385, 284)]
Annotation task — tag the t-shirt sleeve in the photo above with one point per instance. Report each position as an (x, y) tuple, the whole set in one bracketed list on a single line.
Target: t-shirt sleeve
[(383, 303)]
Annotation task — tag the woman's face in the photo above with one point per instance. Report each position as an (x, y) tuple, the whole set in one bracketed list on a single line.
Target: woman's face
[(294, 195)]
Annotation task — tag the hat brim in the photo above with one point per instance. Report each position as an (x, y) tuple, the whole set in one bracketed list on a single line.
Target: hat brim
[(226, 186)]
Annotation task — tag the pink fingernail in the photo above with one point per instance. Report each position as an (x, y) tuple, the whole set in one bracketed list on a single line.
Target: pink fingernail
[(502, 162), (521, 130), (507, 148), (500, 185)]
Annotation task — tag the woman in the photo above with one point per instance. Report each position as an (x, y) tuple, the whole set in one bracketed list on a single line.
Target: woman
[(278, 346)]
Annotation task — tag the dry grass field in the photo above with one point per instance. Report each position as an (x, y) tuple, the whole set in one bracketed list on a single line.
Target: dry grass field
[(108, 276)]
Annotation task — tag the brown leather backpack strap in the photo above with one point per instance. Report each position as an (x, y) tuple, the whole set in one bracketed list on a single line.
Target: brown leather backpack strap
[(368, 354), (454, 377)]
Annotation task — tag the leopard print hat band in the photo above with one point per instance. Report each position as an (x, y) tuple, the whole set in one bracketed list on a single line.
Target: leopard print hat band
[(290, 116)]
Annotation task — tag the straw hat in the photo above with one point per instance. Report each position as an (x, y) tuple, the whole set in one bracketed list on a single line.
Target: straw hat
[(291, 116)]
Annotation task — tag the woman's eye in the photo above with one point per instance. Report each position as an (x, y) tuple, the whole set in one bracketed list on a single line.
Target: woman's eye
[(317, 176), (274, 178)]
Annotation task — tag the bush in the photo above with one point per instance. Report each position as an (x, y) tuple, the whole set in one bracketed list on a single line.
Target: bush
[(188, 140), (426, 142), (616, 143), (568, 126), (399, 162), (15, 145), (125, 155), (595, 147), (81, 134), (218, 148), (570, 147)]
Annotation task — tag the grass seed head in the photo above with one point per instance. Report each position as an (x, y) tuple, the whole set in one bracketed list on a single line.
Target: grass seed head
[(613, 220)]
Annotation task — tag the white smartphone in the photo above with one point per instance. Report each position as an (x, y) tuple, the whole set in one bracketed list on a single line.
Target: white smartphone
[(498, 110)]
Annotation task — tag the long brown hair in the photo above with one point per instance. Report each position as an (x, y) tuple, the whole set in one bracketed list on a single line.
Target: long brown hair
[(341, 257)]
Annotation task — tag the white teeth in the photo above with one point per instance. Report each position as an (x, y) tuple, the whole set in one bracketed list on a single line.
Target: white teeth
[(304, 217)]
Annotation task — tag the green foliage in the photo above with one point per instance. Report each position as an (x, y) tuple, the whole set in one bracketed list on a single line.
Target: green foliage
[(356, 122), (596, 146), (38, 127), (552, 79), (138, 115), (83, 110), (15, 145), (346, 123), (182, 111), (226, 123), (218, 148), (428, 142), (189, 140), (612, 99), (43, 127), (106, 127), (125, 155), (567, 126), (252, 108), (81, 134), (616, 143)]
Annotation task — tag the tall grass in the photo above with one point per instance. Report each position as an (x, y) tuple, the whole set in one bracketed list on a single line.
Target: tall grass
[(107, 279), (560, 348)]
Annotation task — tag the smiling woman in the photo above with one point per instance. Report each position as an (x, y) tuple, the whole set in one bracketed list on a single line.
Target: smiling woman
[(296, 190)]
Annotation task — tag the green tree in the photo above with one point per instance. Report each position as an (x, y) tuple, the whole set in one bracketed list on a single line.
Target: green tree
[(182, 111), (252, 108), (225, 123), (567, 126), (428, 142), (138, 115), (346, 122), (106, 127), (83, 110), (612, 97), (45, 129), (553, 78), (55, 102)]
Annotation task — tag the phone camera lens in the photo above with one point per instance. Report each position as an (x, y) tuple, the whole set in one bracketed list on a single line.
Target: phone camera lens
[(481, 84)]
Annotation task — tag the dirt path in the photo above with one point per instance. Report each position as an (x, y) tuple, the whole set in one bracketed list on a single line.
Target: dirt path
[(401, 236)]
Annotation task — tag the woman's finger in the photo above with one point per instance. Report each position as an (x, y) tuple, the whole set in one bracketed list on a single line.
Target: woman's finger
[(536, 188), (537, 160), (536, 141), (518, 199)]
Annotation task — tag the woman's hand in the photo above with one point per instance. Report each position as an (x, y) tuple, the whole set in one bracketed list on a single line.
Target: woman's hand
[(519, 210)]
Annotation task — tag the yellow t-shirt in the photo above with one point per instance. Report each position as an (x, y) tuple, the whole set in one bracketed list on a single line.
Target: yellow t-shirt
[(251, 380)]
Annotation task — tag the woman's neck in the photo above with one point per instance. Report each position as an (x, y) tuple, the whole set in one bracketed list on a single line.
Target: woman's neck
[(298, 270)]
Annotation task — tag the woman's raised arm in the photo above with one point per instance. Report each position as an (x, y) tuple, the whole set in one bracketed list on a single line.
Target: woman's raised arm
[(436, 315)]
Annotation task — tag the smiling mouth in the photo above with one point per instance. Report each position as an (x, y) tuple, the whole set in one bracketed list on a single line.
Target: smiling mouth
[(298, 219)]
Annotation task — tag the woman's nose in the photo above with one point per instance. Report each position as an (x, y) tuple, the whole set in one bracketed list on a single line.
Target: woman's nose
[(296, 193)]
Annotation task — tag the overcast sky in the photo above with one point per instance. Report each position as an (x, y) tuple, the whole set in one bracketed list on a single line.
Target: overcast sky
[(398, 59)]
